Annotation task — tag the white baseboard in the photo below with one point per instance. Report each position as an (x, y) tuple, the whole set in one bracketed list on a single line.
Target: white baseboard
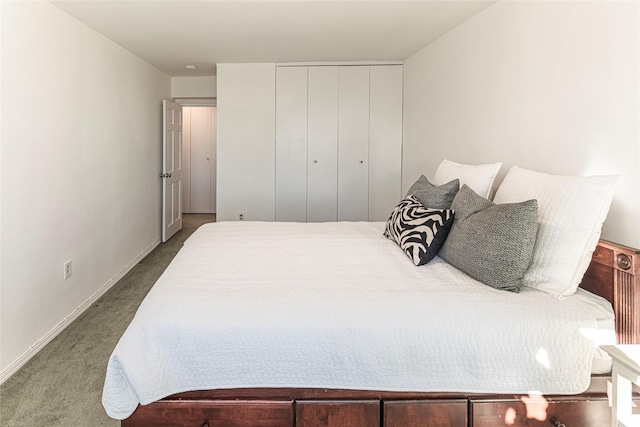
[(39, 345)]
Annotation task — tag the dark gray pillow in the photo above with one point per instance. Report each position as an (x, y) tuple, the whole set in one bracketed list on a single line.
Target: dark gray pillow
[(432, 196), (492, 243)]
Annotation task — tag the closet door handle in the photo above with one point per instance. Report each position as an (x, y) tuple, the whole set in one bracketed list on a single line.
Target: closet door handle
[(361, 161), (315, 161)]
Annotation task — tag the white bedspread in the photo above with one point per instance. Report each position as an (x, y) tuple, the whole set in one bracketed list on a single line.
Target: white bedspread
[(337, 305)]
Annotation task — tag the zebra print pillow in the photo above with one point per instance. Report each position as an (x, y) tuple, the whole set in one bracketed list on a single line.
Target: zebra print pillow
[(419, 231)]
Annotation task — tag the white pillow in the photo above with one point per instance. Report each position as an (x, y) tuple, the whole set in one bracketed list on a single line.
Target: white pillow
[(571, 210), (479, 177)]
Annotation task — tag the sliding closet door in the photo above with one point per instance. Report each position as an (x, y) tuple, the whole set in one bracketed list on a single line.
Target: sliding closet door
[(291, 144), (385, 140), (322, 127), (353, 147)]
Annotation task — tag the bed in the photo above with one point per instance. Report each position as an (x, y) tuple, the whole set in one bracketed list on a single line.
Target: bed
[(328, 324)]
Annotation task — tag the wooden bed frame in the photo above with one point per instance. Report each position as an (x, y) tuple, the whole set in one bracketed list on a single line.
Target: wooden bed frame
[(614, 273)]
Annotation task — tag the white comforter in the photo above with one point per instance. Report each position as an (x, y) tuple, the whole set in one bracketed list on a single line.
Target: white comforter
[(337, 305)]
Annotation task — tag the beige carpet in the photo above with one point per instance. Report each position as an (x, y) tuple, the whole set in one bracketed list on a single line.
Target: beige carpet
[(62, 384)]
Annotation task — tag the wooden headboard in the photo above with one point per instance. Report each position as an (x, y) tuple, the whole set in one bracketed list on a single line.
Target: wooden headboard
[(614, 273)]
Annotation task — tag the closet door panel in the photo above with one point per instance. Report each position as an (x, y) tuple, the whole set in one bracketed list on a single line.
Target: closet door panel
[(186, 160), (385, 141), (322, 131), (201, 129), (291, 144), (353, 146), (214, 157)]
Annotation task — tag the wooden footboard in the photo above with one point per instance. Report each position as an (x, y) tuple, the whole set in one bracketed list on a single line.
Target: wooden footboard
[(614, 273), (350, 408)]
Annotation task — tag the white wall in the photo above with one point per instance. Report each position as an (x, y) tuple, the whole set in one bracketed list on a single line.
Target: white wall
[(193, 87), (246, 141), (81, 155), (550, 86)]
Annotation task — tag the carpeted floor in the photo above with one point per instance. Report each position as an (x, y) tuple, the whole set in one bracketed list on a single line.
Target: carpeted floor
[(62, 384)]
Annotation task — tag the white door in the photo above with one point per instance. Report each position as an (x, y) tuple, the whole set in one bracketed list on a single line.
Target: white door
[(186, 160), (291, 144), (385, 140), (171, 169), (201, 159), (214, 158), (322, 179), (353, 146)]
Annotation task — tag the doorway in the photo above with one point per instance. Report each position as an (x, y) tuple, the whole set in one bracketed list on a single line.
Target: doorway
[(199, 159)]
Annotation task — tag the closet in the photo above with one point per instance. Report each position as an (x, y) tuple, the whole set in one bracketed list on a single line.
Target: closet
[(199, 159), (338, 142)]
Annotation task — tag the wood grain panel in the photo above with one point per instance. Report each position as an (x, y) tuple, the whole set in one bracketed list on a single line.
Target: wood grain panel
[(627, 307), (516, 413), (599, 277), (614, 273), (424, 413), (332, 413), (219, 413)]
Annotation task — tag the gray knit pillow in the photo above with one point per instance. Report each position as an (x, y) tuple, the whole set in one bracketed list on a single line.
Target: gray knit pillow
[(432, 196), (491, 243)]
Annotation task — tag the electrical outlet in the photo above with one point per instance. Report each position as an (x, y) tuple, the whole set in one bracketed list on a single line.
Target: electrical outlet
[(241, 216), (67, 270)]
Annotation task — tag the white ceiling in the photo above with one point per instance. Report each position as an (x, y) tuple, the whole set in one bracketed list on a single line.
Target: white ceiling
[(171, 34)]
